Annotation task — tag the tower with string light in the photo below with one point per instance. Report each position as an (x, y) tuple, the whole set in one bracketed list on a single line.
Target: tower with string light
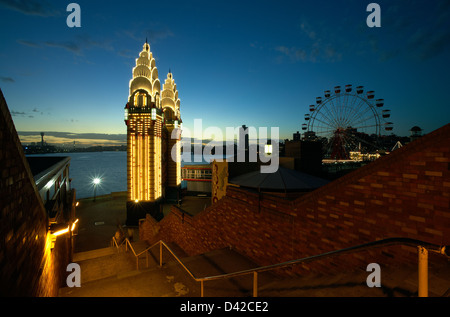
[(152, 117)]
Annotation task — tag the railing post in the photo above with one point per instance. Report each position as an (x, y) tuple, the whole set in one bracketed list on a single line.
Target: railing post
[(423, 271), (201, 288), (255, 284), (160, 253)]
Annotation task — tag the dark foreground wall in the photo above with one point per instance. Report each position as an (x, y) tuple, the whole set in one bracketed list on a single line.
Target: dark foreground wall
[(27, 265)]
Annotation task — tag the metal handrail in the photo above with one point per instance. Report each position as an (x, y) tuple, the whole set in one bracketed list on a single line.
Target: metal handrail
[(365, 246), (423, 248), (128, 243), (114, 242)]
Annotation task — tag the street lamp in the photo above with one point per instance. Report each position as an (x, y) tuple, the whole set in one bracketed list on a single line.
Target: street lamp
[(96, 181), (268, 149)]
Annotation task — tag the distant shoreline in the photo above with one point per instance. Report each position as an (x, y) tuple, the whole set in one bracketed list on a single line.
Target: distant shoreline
[(35, 149)]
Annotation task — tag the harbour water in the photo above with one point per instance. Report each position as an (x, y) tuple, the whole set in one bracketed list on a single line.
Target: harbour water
[(110, 167)]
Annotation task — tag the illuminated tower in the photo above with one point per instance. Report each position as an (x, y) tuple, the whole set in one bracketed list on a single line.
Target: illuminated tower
[(151, 116), (170, 104)]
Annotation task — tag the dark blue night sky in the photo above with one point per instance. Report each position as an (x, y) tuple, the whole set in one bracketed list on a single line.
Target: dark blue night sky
[(259, 63)]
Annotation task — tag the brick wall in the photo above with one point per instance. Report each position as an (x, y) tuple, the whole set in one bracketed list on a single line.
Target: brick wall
[(24, 262), (405, 194)]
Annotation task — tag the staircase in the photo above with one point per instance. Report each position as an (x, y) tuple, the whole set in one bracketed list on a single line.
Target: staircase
[(115, 272), (112, 272)]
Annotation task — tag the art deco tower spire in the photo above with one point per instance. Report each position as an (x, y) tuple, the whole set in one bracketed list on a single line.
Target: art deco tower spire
[(151, 116)]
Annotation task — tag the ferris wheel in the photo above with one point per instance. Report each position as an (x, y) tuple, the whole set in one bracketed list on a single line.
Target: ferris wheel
[(347, 120)]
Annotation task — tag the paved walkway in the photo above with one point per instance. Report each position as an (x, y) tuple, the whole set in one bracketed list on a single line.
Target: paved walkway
[(98, 221)]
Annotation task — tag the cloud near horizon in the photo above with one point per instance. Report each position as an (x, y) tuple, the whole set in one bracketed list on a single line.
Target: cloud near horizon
[(29, 114)]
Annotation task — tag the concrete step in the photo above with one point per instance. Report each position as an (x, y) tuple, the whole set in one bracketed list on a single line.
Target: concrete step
[(215, 263), (395, 282), (338, 285), (107, 265), (168, 281), (116, 275), (92, 254), (139, 246)]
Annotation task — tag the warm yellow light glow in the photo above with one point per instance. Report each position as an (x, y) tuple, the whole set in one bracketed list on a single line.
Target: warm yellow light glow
[(77, 204), (147, 168), (138, 166), (49, 245), (60, 232), (131, 167), (157, 164), (136, 201), (73, 225), (178, 163)]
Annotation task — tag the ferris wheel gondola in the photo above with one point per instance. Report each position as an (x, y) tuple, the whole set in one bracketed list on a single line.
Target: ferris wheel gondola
[(359, 90)]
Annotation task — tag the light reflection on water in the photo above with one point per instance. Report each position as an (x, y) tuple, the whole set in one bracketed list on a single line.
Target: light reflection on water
[(110, 167)]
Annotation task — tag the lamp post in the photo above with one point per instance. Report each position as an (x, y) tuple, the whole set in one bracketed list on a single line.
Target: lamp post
[(96, 181)]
